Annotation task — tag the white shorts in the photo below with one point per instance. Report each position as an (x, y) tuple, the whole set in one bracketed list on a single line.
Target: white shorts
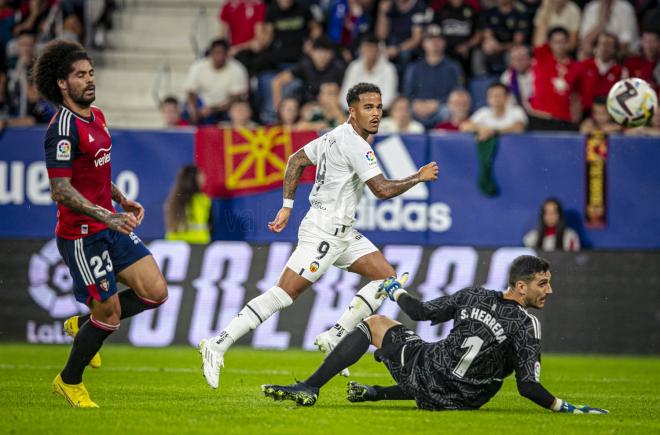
[(317, 250)]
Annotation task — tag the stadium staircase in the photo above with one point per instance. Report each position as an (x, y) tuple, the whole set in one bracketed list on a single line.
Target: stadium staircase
[(149, 52)]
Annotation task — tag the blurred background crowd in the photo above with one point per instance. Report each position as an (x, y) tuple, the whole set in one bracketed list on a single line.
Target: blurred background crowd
[(451, 65)]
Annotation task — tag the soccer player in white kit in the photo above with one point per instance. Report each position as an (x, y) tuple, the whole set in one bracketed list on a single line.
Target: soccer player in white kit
[(345, 162)]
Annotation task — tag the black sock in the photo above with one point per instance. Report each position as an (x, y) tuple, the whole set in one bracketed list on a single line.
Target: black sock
[(87, 342), (348, 352), (130, 303), (393, 392), (82, 320)]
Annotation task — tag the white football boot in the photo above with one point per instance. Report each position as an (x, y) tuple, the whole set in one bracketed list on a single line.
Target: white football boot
[(326, 341), (212, 361)]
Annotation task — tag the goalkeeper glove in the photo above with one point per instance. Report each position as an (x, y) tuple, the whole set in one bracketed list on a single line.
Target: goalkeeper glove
[(392, 287), (569, 408)]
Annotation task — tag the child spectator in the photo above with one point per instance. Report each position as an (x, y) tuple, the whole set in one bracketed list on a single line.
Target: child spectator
[(400, 119), (500, 116), (240, 116), (459, 110), (552, 233), (170, 110), (600, 119), (288, 113)]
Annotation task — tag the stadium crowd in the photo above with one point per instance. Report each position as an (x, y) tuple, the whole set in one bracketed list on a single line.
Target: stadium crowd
[(435, 61), (25, 27)]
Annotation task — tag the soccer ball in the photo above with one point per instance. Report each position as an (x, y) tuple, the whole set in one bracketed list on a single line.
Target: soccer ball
[(632, 102)]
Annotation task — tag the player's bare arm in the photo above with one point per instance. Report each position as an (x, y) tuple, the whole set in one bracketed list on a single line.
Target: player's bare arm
[(294, 169), (386, 189), (64, 193), (128, 205)]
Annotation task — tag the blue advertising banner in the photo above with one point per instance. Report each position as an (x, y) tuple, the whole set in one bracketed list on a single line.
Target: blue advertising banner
[(144, 165), (452, 211)]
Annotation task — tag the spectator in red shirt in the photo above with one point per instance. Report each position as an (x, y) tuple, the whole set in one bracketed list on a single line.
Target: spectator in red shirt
[(242, 24), (645, 63), (552, 69), (596, 76)]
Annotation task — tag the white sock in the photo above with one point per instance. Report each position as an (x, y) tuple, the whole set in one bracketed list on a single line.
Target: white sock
[(364, 304), (252, 315)]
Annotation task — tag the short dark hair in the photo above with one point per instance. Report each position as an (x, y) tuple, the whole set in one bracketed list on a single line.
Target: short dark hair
[(525, 267), (55, 63), (557, 29), (218, 42), (369, 38), (170, 99), (499, 85), (323, 43), (601, 99), (353, 95)]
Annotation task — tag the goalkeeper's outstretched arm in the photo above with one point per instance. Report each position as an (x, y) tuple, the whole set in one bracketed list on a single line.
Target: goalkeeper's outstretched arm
[(535, 392)]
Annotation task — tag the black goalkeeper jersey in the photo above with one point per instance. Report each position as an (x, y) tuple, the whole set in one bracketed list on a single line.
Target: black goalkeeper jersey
[(491, 338)]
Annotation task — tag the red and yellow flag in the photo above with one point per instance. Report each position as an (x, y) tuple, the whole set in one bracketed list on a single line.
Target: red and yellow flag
[(239, 162)]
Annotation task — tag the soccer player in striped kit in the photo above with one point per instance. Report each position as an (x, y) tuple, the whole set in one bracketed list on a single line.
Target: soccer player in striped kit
[(95, 241)]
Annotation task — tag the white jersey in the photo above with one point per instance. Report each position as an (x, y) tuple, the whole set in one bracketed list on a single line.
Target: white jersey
[(344, 162)]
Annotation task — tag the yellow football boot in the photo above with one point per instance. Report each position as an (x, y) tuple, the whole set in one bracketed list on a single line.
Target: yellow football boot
[(71, 329), (76, 395)]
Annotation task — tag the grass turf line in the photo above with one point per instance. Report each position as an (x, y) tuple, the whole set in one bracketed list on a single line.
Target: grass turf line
[(162, 391)]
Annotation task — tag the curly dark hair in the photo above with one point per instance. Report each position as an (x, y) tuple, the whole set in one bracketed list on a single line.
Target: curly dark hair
[(55, 64), (353, 95)]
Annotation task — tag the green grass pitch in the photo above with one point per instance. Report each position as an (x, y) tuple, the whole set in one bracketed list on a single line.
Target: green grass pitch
[(162, 391)]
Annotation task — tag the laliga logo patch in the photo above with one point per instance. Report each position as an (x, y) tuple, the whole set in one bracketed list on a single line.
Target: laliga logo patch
[(313, 267), (371, 157), (63, 150)]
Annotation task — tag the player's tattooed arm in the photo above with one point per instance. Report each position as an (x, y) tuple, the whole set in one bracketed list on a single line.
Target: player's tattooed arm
[(64, 193), (294, 169), (117, 196), (386, 189)]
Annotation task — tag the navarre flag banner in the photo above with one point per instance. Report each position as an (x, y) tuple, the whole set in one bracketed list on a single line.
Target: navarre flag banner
[(241, 161)]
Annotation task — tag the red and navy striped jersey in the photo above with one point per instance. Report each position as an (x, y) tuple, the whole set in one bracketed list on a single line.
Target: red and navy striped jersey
[(79, 148)]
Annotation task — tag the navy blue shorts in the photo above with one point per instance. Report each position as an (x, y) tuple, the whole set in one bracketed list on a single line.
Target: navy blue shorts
[(94, 260)]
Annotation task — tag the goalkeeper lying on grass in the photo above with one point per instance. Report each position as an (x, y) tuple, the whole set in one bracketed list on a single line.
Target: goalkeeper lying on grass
[(493, 336)]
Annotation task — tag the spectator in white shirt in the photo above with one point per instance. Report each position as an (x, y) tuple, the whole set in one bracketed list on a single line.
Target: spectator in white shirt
[(612, 16), (518, 77), (400, 119), (372, 67), (500, 116), (213, 84)]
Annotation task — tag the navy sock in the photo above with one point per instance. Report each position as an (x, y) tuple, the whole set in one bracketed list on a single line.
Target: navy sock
[(130, 303), (87, 342), (393, 392), (349, 350)]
